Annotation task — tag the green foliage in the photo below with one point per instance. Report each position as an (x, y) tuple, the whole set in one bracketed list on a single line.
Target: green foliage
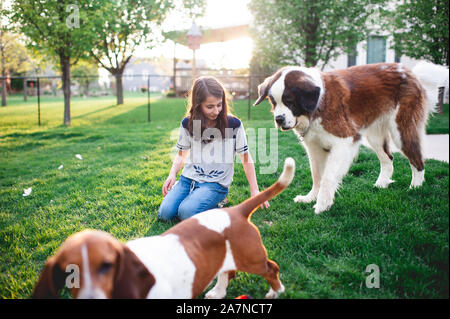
[(308, 33), (421, 29), (129, 23), (83, 73), (59, 28), (193, 8), (85, 68), (49, 25), (17, 60), (124, 26)]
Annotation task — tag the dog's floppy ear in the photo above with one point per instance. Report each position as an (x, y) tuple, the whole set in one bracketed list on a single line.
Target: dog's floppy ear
[(50, 282), (132, 280), (307, 98), (263, 88)]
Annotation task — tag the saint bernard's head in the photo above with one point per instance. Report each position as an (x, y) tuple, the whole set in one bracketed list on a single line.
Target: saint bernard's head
[(294, 93)]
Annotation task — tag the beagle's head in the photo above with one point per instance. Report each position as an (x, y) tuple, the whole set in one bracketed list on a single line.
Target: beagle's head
[(294, 93), (94, 265)]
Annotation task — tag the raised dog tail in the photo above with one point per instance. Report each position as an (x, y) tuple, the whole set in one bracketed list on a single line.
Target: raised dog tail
[(250, 205), (432, 77)]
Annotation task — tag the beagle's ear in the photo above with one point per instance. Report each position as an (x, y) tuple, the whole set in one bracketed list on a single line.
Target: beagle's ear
[(132, 280), (50, 282), (263, 88)]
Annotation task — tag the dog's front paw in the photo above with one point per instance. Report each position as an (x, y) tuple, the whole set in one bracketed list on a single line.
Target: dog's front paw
[(322, 206), (212, 294), (306, 198), (272, 294), (417, 179), (383, 183)]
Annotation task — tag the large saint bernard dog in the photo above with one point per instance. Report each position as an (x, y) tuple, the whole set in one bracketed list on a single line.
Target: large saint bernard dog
[(331, 111)]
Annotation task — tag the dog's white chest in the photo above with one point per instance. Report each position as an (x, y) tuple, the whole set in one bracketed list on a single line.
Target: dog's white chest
[(317, 135), (167, 260)]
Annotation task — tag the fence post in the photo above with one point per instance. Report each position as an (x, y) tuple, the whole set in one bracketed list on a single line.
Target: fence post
[(249, 95), (39, 102), (148, 97)]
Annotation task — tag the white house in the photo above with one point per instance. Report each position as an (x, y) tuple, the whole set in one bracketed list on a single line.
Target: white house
[(377, 48)]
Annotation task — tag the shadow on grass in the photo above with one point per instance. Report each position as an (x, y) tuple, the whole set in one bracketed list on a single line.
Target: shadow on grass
[(94, 112), (44, 135), (160, 111)]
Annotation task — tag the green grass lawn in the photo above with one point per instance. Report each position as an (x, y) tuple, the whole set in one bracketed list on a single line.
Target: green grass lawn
[(117, 188), (438, 123)]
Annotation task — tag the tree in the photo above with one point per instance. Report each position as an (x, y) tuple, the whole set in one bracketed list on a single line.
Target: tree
[(128, 24), (420, 29), (307, 32), (60, 29), (3, 42), (14, 59), (3, 64)]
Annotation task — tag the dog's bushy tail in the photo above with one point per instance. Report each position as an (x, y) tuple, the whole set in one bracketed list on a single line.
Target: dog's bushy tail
[(247, 207), (431, 76)]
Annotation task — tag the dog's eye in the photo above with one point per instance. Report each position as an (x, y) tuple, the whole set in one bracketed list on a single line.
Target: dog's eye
[(105, 268)]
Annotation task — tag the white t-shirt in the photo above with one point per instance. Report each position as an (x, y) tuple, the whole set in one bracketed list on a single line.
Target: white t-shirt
[(213, 161)]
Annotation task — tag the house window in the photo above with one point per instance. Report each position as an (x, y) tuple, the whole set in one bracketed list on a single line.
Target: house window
[(376, 49), (351, 57)]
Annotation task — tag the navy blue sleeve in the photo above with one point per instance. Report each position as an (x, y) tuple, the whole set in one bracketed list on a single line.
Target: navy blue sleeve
[(233, 122), (185, 122)]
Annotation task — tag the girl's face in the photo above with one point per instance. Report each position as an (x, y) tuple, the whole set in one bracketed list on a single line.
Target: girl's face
[(211, 107)]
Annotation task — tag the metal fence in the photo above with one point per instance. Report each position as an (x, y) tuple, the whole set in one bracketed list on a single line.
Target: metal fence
[(241, 87)]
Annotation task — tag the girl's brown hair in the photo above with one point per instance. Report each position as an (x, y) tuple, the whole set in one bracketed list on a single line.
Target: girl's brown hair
[(202, 88)]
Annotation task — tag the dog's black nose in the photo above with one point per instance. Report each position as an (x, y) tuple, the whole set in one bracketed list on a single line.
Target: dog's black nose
[(279, 119)]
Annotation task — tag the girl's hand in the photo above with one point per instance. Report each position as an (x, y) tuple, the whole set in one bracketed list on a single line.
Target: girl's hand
[(265, 204), (168, 184)]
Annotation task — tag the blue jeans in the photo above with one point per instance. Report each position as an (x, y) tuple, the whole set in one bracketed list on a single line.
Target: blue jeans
[(189, 197)]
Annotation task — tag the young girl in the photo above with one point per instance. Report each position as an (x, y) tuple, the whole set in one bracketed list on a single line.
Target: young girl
[(208, 141)]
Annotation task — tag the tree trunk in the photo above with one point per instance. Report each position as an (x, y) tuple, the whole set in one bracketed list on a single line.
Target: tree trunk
[(25, 90), (65, 69), (4, 89), (86, 88), (310, 59), (119, 88), (2, 51)]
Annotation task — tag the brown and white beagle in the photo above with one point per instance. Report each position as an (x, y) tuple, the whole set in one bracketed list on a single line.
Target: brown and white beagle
[(180, 263)]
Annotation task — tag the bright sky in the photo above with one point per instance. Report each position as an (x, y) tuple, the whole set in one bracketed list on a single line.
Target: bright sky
[(219, 13)]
